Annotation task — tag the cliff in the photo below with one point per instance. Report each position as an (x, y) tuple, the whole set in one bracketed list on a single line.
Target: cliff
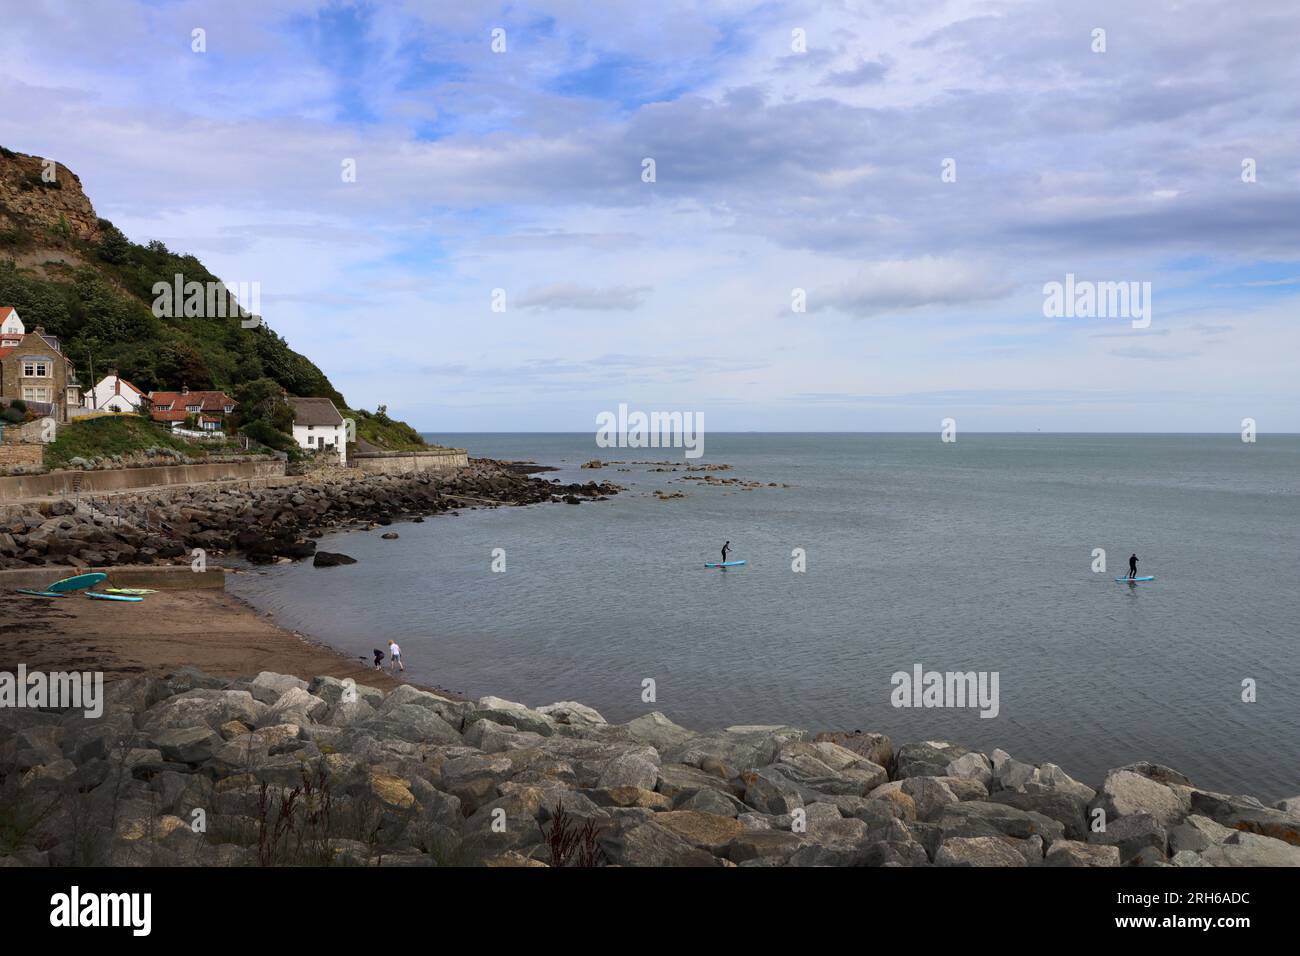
[(65, 268)]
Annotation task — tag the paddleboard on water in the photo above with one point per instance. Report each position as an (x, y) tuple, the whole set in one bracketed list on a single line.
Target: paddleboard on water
[(100, 596), (724, 564), (40, 593), (80, 583), (1149, 577)]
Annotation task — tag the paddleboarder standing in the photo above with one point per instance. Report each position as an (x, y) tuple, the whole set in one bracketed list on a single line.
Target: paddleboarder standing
[(725, 548), (1132, 566)]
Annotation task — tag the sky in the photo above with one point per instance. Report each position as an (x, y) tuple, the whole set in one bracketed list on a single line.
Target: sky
[(916, 172)]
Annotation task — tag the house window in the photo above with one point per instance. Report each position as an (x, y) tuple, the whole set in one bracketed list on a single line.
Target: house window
[(8, 345), (229, 409), (36, 368), (194, 409), (33, 394)]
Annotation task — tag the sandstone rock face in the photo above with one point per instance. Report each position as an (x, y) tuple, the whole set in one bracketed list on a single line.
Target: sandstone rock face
[(45, 204)]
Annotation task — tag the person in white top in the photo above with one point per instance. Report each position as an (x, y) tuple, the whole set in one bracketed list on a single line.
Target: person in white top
[(394, 656)]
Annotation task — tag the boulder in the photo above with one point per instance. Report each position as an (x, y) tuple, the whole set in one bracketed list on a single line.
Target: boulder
[(331, 559), (704, 830), (874, 747), (1074, 853), (1132, 835), (929, 758), (571, 713), (630, 770), (754, 844), (1009, 773), (1126, 792), (1248, 814), (979, 851), (647, 844), (929, 796), (768, 791), (972, 766), (1250, 849), (656, 730), (1197, 833), (474, 780), (189, 745), (978, 818)]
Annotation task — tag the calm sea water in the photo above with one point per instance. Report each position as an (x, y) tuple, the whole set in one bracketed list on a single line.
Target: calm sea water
[(975, 555)]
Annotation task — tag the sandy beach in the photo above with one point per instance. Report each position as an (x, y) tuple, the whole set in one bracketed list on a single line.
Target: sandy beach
[(211, 630)]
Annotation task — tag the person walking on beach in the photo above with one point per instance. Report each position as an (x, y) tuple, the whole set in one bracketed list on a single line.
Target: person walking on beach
[(379, 657), (725, 548), (394, 656), (1132, 566)]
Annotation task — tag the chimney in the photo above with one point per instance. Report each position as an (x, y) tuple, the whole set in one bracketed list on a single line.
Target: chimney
[(185, 389)]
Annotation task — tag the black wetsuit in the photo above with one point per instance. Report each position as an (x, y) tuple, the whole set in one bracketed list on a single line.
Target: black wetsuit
[(724, 552), (1133, 566)]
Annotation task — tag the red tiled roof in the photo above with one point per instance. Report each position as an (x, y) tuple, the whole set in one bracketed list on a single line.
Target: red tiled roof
[(175, 415), (208, 401), (6, 311)]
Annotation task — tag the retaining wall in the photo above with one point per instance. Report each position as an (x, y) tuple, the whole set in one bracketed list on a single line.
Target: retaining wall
[(119, 479)]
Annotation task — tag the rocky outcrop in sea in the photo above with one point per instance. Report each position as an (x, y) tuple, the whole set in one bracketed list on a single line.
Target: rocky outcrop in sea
[(194, 770), (261, 523)]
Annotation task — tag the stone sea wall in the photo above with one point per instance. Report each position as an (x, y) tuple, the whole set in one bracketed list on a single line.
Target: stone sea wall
[(195, 770)]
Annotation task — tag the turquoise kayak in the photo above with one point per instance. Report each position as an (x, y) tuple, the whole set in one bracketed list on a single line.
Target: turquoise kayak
[(1149, 577)]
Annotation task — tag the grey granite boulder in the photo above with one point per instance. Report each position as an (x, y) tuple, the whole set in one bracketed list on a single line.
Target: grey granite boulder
[(1248, 814), (874, 747), (1074, 853), (930, 795), (647, 844), (1011, 774), (1197, 833), (1250, 849), (971, 766), (1125, 792), (1132, 835), (929, 758), (1068, 810), (978, 818), (191, 745), (768, 791), (979, 851)]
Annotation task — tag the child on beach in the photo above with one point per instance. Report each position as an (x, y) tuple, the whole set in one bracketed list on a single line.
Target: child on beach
[(394, 656), (379, 656)]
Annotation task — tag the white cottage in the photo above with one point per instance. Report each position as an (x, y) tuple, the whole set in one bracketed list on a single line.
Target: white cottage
[(114, 394), (317, 426)]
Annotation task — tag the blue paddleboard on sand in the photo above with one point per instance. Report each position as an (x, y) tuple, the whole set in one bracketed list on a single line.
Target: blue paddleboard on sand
[(110, 597), (40, 593), (1149, 577), (79, 583), (724, 564)]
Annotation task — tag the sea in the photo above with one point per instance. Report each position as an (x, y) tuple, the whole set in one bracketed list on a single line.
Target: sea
[(870, 558)]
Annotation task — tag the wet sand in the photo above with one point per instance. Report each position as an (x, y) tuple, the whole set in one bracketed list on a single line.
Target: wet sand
[(207, 629)]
